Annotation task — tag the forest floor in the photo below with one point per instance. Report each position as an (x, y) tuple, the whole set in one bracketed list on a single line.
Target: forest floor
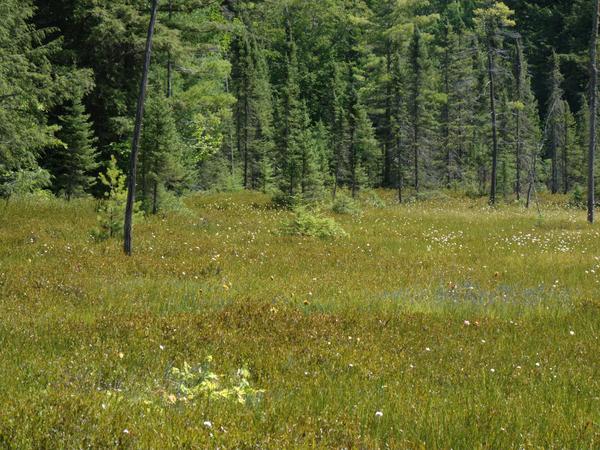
[(435, 324)]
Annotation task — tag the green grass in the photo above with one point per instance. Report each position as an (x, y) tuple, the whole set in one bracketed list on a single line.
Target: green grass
[(333, 330)]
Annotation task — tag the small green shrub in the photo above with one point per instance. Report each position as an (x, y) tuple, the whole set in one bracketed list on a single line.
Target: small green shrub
[(111, 210), (286, 201), (345, 205), (578, 198), (305, 223), (372, 199)]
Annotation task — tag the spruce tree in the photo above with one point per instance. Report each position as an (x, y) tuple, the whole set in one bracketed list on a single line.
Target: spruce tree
[(161, 167), (74, 161), (491, 19), (555, 123)]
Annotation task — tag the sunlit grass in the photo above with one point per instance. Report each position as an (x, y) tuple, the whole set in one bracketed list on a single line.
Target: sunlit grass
[(463, 326)]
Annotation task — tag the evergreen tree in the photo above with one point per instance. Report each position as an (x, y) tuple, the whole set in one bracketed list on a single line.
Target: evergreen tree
[(421, 108), (30, 86), (253, 111), (460, 102), (555, 124), (292, 117), (491, 19), (73, 162), (161, 167)]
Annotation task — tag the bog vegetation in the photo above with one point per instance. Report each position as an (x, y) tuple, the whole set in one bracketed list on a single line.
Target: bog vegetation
[(440, 323), (358, 224)]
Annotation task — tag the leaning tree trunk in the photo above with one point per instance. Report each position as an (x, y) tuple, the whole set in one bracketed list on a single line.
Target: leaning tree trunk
[(593, 110), (494, 126), (139, 115)]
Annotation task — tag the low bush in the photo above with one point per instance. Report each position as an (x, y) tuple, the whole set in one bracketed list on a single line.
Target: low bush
[(306, 223), (345, 205)]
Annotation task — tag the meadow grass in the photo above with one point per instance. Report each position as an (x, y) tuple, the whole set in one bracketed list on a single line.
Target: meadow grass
[(435, 324)]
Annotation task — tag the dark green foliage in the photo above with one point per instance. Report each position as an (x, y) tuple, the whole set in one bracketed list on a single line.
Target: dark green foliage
[(300, 96), (72, 162), (30, 87), (161, 156)]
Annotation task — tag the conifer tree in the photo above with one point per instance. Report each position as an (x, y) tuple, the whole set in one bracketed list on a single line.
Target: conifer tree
[(593, 105), (419, 105), (73, 162), (490, 20), (291, 117), (30, 86), (460, 102), (339, 126), (160, 153), (555, 123), (253, 111)]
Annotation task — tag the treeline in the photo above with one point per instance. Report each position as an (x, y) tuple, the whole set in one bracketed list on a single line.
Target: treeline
[(297, 97)]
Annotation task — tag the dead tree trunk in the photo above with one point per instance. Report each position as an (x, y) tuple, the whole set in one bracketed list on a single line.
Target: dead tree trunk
[(519, 149), (139, 115), (494, 125), (593, 111)]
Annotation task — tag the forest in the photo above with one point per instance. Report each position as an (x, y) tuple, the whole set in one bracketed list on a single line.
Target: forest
[(298, 98), (299, 224)]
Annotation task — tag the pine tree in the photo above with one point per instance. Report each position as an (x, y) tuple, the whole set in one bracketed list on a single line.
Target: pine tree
[(291, 119), (31, 85), (73, 162), (460, 103), (398, 117), (490, 20), (253, 111), (161, 168), (420, 107), (339, 127), (555, 123)]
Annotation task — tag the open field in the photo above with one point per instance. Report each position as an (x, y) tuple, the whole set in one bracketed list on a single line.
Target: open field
[(438, 324)]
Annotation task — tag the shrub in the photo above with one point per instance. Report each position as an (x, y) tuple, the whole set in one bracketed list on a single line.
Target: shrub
[(578, 198), (345, 205), (372, 199), (305, 223), (111, 211), (284, 200)]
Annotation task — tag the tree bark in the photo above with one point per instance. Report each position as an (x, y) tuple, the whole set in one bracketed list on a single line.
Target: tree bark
[(519, 149), (593, 111), (566, 151), (169, 61), (388, 135), (139, 115), (494, 126)]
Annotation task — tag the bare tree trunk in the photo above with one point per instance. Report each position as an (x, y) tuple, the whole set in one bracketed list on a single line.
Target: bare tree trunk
[(155, 197), (139, 115), (387, 145), (169, 61), (446, 118), (231, 156), (593, 111), (246, 114), (519, 149), (494, 126), (566, 151), (400, 177)]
